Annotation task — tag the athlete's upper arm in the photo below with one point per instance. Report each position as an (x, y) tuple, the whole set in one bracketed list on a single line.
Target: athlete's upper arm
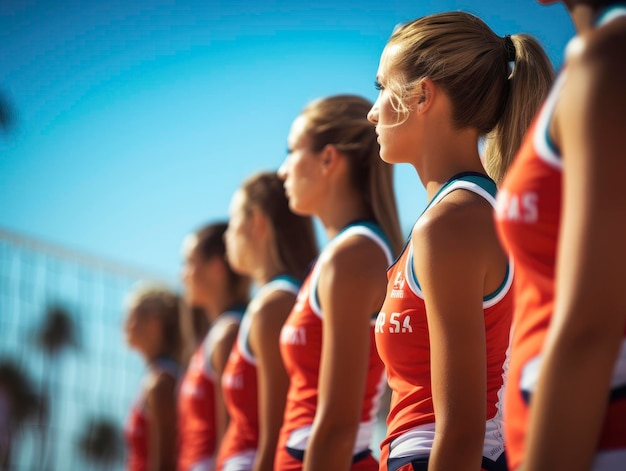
[(591, 126), (223, 345), (450, 260), (272, 378), (587, 327), (161, 400), (351, 290)]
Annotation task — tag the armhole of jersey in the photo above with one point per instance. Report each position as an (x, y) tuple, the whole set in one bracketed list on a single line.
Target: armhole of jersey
[(208, 345), (495, 297), (169, 366), (369, 230), (472, 184), (411, 279), (611, 13), (542, 142), (207, 353), (280, 283)]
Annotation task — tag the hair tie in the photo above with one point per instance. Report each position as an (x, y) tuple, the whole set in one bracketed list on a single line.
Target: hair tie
[(509, 48)]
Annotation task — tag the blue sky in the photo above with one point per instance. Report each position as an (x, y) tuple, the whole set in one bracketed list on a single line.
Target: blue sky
[(137, 120)]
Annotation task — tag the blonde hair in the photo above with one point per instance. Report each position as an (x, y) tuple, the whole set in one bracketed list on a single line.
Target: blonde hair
[(341, 121), (461, 54), (294, 245), (166, 305)]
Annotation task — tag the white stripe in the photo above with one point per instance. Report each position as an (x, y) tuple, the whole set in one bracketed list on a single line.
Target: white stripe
[(530, 372), (418, 442), (505, 289), (465, 185), (540, 142), (205, 464), (609, 460), (347, 233), (409, 274), (242, 461), (474, 188), (299, 438), (246, 323)]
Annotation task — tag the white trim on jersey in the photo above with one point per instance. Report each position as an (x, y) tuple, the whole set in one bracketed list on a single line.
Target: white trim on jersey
[(543, 148), (530, 372), (480, 191), (280, 284), (350, 231), (418, 442), (242, 461), (208, 345)]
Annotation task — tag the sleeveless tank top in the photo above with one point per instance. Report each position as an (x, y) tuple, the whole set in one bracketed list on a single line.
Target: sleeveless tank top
[(136, 430), (529, 216), (402, 340), (196, 402), (301, 348), (239, 384)]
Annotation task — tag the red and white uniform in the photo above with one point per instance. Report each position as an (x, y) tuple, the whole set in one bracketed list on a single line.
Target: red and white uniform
[(403, 343), (136, 430), (301, 348), (239, 383), (529, 215), (196, 403)]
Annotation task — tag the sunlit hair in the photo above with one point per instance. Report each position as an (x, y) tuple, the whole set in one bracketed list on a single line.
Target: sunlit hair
[(160, 301), (341, 121), (461, 54), (294, 245)]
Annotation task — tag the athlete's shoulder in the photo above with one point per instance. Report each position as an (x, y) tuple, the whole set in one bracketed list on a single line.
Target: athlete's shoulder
[(354, 253), (600, 52), (458, 212)]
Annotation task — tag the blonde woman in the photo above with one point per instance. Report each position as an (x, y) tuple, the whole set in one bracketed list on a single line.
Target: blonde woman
[(333, 172), (151, 328), (446, 80)]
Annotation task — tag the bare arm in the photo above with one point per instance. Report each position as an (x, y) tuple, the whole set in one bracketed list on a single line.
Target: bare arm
[(223, 346), (351, 289), (452, 266), (588, 323), (161, 404), (272, 378)]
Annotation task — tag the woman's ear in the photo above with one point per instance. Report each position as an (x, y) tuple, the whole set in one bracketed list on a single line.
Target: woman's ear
[(329, 157), (259, 222), (424, 95)]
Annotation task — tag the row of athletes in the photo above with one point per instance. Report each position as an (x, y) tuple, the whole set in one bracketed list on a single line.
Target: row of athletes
[(496, 302)]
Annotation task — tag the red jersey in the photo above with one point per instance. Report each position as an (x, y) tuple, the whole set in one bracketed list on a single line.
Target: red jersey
[(239, 383), (301, 348), (403, 344), (529, 215), (196, 403), (136, 430)]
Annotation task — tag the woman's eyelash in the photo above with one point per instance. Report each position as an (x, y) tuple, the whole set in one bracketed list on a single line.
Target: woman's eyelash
[(377, 85)]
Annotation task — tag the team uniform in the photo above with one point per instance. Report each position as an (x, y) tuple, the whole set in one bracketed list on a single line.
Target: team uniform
[(529, 215), (403, 344), (239, 384), (196, 403), (301, 348), (136, 430)]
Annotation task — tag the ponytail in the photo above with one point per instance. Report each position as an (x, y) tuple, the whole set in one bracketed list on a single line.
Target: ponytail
[(529, 83)]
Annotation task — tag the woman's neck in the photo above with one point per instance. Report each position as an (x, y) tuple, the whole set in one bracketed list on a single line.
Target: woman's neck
[(585, 12), (340, 209)]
